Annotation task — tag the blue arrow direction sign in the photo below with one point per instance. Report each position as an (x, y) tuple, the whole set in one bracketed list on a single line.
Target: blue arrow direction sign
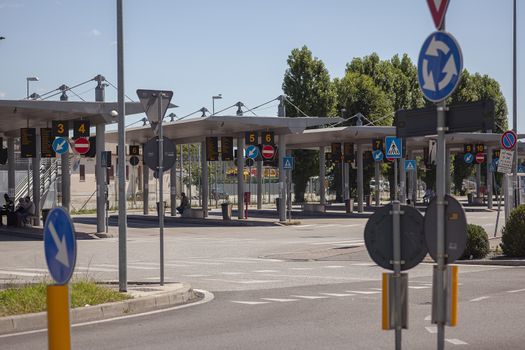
[(521, 168), (439, 66), (288, 163), (468, 158), (394, 147), (410, 165), (60, 145), (60, 245), (252, 151), (378, 155)]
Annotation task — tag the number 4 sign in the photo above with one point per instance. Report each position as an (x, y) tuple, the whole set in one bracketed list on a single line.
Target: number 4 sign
[(81, 128)]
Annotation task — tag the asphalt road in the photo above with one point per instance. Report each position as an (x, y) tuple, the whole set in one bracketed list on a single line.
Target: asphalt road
[(269, 294)]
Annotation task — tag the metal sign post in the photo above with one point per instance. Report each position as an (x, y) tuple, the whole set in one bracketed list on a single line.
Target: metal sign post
[(396, 212), (155, 114)]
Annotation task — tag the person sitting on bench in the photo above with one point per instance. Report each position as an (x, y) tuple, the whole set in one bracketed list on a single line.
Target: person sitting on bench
[(9, 207), (27, 209), (184, 203)]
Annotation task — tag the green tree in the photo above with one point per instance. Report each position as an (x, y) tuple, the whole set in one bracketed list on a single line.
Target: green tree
[(308, 85)]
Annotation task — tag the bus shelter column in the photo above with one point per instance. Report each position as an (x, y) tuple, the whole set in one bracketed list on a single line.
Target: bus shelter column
[(36, 174), (100, 176), (11, 161), (360, 178), (240, 176), (204, 179), (448, 182), (489, 177), (282, 178), (173, 188), (322, 176), (402, 181), (66, 181), (259, 183), (145, 188)]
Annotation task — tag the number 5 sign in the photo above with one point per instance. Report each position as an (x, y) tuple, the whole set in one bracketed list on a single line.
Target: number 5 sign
[(80, 128)]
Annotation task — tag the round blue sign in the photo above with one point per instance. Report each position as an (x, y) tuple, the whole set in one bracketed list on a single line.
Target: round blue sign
[(60, 145), (252, 151), (468, 158), (60, 245), (378, 155), (439, 66), (508, 139)]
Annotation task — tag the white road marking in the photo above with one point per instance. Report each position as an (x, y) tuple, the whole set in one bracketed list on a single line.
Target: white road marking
[(196, 275), (232, 273), (250, 302), (333, 267), (428, 318), (456, 342), (338, 294), (279, 300), (516, 291), (266, 271), (365, 292), (96, 269), (479, 299), (353, 242), (432, 329), (418, 287), (258, 281), (363, 264), (19, 273), (301, 268), (308, 296)]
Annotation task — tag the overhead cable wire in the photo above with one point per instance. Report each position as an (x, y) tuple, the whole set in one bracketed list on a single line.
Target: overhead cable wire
[(297, 108), (114, 87)]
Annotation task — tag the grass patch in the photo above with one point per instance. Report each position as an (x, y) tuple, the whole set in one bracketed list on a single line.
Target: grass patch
[(32, 297), (84, 211)]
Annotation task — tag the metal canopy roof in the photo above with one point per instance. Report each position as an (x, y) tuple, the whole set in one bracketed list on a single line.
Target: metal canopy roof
[(324, 137), (15, 114), (195, 129)]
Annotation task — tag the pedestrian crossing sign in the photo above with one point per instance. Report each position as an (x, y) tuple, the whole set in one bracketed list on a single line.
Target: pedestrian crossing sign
[(394, 147), (288, 163), (410, 165)]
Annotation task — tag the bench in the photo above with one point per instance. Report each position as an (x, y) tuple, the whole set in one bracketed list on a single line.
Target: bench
[(195, 213), (314, 207)]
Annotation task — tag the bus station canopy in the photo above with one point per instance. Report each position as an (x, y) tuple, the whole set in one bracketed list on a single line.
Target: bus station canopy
[(196, 129), (17, 114)]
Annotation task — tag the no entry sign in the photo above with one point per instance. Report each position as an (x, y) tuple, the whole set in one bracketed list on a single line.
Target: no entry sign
[(480, 158), (268, 151), (82, 145)]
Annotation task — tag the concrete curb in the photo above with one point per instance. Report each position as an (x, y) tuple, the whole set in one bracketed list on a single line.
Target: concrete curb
[(28, 322), (191, 221), (491, 262)]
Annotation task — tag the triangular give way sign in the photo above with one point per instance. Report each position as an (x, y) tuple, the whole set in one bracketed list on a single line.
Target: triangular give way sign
[(438, 8)]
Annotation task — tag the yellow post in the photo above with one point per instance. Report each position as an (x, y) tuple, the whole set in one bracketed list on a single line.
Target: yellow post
[(385, 324), (58, 327), (454, 295)]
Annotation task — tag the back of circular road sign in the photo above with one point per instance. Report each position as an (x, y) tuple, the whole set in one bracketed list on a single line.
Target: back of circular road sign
[(60, 245), (455, 229), (151, 154), (379, 237)]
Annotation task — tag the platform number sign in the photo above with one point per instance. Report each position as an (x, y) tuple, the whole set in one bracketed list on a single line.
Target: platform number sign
[(468, 148), (212, 149), (80, 128), (495, 154), (336, 152), (480, 148), (134, 150), (227, 148), (60, 128), (268, 138), (348, 149), (251, 137), (377, 145)]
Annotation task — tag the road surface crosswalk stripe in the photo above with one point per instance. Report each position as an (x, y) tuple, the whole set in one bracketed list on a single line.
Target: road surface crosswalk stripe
[(309, 296), (456, 341), (279, 300), (250, 302)]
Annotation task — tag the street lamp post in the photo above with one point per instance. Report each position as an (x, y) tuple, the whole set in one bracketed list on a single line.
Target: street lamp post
[(213, 98), (28, 79)]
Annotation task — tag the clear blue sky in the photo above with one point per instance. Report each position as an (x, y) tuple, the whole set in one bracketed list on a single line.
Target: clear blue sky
[(236, 47)]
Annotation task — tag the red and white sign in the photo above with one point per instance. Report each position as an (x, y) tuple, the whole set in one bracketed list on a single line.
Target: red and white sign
[(480, 158), (438, 8), (268, 151), (509, 139), (82, 145)]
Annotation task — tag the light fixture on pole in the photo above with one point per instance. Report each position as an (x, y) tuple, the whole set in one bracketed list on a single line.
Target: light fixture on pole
[(28, 79), (213, 98)]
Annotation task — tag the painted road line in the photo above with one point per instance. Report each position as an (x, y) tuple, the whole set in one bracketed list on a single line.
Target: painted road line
[(19, 273), (279, 300), (301, 268), (516, 291), (431, 329), (364, 292), (266, 271), (419, 287), (250, 302), (338, 294), (456, 342), (428, 318), (232, 273), (309, 296), (195, 275), (333, 267), (479, 299)]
